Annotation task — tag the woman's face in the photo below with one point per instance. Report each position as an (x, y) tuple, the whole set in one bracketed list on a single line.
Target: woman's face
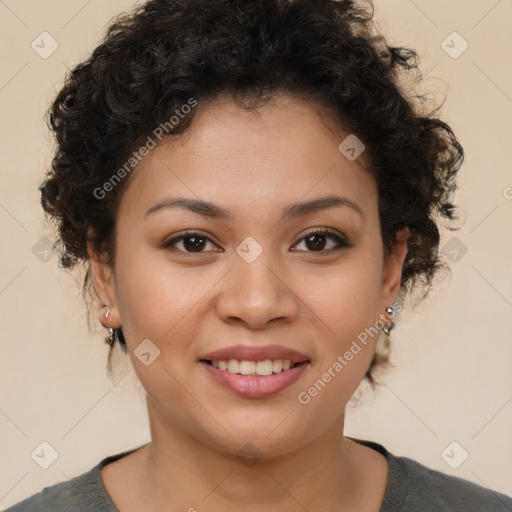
[(254, 276)]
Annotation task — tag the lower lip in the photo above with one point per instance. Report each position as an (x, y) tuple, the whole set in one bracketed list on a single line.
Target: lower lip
[(255, 387)]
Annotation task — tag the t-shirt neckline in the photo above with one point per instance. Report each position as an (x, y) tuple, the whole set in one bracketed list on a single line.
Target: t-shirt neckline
[(394, 496)]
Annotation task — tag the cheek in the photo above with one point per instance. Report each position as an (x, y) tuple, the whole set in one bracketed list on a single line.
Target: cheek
[(157, 303), (170, 306), (346, 346), (345, 298), (153, 295), (345, 302)]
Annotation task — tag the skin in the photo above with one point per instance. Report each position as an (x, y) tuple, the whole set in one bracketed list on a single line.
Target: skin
[(254, 163)]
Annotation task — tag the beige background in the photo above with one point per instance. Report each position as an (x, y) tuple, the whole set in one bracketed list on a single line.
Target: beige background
[(453, 354)]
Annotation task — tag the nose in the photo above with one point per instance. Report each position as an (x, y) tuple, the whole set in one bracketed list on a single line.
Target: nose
[(257, 294)]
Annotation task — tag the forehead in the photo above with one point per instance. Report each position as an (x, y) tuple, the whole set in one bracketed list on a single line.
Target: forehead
[(276, 154)]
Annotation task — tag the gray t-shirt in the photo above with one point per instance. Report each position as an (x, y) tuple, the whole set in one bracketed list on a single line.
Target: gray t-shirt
[(411, 487)]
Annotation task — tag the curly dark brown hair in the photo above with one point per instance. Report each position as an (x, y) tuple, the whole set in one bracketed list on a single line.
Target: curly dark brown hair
[(154, 59)]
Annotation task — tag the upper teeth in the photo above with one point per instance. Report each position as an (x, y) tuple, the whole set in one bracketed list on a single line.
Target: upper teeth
[(266, 367)]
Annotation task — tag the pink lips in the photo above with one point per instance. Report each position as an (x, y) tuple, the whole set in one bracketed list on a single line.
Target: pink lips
[(255, 386), (254, 353)]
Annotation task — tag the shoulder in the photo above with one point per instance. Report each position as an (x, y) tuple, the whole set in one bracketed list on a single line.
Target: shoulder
[(428, 487), (424, 489), (413, 487), (83, 493), (60, 497)]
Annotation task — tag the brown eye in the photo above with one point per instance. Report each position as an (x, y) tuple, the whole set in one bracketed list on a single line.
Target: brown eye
[(190, 243), (317, 241), (194, 243)]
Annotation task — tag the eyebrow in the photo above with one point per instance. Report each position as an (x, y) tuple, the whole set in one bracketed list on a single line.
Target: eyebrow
[(292, 211)]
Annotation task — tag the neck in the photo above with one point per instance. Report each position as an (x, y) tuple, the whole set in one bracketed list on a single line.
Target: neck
[(324, 475)]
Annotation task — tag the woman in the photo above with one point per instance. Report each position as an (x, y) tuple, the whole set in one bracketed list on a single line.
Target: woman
[(254, 196)]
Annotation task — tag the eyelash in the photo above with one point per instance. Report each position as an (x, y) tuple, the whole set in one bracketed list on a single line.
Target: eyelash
[(342, 243)]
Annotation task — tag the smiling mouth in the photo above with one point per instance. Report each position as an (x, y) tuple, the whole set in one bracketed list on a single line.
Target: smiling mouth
[(263, 368)]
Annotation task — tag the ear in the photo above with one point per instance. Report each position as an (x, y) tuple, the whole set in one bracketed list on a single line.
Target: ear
[(392, 271), (103, 280)]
